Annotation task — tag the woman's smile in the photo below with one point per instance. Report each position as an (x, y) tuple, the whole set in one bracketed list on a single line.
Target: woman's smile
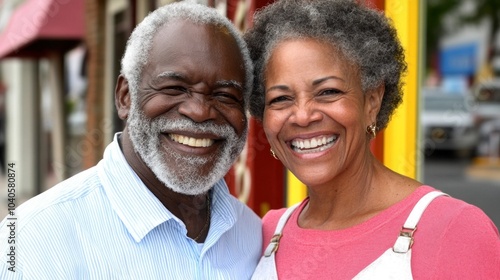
[(314, 144)]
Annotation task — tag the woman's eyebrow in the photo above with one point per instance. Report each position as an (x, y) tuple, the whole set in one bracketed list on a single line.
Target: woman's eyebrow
[(278, 87), (314, 83), (319, 81)]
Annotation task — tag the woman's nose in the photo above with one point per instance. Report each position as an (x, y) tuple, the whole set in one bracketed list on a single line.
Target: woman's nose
[(305, 113)]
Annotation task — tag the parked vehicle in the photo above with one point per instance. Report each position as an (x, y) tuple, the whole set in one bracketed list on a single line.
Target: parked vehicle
[(487, 117), (447, 122), (487, 97)]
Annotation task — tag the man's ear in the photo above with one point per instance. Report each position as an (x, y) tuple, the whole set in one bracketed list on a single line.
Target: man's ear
[(373, 100), (122, 97)]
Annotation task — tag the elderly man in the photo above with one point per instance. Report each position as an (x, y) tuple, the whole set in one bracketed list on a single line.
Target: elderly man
[(156, 206)]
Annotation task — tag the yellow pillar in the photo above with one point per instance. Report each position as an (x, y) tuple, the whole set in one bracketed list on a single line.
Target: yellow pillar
[(400, 137), (296, 190)]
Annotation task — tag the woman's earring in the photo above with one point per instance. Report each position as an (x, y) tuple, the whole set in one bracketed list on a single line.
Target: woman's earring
[(372, 129), (273, 154)]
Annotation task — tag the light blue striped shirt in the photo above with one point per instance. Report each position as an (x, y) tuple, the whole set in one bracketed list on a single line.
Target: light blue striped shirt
[(104, 223)]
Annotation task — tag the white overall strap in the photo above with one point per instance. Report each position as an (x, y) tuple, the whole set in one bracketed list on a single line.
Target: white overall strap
[(275, 240), (405, 238), (266, 268)]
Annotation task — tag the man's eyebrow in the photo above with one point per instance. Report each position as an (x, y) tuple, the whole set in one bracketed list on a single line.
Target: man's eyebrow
[(169, 74), (182, 77), (230, 83)]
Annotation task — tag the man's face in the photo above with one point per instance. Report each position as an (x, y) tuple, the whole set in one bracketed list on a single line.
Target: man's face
[(188, 121)]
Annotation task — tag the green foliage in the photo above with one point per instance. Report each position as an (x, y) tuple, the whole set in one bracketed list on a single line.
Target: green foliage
[(486, 9), (438, 9)]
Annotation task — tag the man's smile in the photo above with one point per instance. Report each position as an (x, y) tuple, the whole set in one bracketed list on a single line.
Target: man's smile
[(191, 141)]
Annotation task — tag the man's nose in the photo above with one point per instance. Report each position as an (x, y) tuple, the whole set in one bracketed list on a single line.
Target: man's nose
[(198, 107)]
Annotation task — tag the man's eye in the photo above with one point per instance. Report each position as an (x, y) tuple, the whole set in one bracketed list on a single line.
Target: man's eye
[(179, 88), (174, 90), (227, 97)]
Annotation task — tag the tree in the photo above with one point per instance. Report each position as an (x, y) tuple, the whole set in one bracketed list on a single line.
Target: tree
[(438, 9), (434, 29), (486, 9)]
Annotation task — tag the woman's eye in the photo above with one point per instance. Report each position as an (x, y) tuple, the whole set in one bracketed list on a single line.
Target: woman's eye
[(281, 98), (330, 91)]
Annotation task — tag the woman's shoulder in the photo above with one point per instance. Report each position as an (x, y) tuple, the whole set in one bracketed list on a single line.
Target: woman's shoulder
[(452, 216), (269, 222), (455, 238), (271, 218), (447, 206), (452, 207)]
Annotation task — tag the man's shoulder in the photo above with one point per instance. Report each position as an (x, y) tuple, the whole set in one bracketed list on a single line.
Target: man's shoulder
[(71, 190), (232, 203), (243, 211), (52, 219)]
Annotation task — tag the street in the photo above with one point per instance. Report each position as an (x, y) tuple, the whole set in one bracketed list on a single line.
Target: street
[(452, 175)]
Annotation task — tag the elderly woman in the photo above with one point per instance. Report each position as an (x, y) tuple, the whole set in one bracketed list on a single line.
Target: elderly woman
[(328, 77)]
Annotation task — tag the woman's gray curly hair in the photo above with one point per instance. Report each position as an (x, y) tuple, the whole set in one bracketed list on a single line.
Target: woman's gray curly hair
[(139, 44), (363, 35)]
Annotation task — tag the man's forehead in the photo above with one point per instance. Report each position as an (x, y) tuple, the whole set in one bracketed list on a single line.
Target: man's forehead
[(185, 37), (181, 25)]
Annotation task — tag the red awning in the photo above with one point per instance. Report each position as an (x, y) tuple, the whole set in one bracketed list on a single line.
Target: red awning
[(37, 27)]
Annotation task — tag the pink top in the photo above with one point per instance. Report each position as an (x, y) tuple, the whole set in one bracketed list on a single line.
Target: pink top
[(453, 240)]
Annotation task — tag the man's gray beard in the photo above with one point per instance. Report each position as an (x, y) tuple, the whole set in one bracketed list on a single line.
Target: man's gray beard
[(184, 175)]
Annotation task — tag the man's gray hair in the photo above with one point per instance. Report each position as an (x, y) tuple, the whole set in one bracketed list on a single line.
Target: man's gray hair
[(140, 43)]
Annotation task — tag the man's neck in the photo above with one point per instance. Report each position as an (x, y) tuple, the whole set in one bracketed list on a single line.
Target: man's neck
[(191, 209)]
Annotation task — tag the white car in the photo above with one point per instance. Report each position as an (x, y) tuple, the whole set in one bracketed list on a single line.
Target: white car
[(448, 122), (487, 97), (487, 115)]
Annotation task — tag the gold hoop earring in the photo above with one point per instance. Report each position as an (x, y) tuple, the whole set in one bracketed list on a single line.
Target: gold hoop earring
[(273, 154), (372, 130)]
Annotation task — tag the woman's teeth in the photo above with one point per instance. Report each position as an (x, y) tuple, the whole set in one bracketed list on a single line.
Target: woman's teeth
[(313, 145)]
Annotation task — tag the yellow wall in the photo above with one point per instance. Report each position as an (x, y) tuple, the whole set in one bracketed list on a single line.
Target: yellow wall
[(400, 137), (296, 190)]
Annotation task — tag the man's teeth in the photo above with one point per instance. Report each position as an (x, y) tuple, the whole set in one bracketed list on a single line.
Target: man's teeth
[(190, 141), (317, 144)]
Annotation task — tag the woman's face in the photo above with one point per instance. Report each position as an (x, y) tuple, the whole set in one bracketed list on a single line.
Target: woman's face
[(316, 114)]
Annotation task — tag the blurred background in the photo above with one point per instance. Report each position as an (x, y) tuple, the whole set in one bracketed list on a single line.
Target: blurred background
[(59, 60)]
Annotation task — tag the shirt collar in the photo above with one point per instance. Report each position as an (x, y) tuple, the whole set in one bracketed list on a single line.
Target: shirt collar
[(138, 208)]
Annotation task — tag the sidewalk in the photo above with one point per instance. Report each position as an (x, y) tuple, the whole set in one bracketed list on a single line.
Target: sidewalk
[(483, 168)]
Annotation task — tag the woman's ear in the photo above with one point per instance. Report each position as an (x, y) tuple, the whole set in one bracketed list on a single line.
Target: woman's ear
[(122, 97), (373, 100)]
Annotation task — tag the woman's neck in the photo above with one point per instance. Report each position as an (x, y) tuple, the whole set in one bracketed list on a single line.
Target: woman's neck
[(354, 197)]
